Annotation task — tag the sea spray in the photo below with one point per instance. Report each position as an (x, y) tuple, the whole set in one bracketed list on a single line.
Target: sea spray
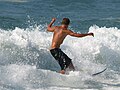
[(26, 63)]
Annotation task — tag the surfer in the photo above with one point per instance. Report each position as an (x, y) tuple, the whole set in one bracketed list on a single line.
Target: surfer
[(59, 34)]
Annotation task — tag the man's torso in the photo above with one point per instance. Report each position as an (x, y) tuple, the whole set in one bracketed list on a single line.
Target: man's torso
[(58, 37)]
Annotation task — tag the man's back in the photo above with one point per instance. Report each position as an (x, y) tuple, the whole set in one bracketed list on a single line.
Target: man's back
[(60, 32), (58, 36)]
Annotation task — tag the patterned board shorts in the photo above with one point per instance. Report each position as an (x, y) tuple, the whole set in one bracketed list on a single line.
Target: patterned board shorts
[(63, 60)]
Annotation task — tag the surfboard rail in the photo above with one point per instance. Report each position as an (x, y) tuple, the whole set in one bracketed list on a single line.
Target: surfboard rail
[(99, 72)]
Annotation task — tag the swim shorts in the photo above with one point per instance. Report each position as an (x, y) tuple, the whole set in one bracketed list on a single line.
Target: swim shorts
[(63, 60)]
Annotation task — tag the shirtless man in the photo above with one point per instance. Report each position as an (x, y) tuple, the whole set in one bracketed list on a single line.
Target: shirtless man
[(60, 32)]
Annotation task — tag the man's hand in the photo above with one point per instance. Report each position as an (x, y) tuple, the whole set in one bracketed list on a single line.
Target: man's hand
[(92, 34), (54, 19), (50, 28)]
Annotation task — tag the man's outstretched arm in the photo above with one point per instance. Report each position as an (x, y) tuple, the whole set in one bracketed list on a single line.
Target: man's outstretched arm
[(71, 33), (49, 27)]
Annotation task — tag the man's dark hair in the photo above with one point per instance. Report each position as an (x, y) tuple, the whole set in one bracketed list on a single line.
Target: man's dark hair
[(65, 21)]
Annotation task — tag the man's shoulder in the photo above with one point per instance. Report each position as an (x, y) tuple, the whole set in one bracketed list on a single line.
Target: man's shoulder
[(56, 26), (67, 31)]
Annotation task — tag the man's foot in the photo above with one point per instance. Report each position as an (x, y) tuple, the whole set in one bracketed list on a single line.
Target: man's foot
[(62, 72)]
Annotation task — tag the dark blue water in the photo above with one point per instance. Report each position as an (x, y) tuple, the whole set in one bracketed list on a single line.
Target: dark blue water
[(82, 13)]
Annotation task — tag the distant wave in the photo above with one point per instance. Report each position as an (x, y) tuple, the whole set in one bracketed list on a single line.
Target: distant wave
[(20, 1)]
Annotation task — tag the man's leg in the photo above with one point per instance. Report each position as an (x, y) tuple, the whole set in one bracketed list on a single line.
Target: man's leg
[(71, 66)]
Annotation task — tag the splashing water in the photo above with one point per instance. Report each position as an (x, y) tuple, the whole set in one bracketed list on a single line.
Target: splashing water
[(26, 63)]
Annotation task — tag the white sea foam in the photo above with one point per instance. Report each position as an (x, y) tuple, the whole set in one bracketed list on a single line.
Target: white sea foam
[(26, 63)]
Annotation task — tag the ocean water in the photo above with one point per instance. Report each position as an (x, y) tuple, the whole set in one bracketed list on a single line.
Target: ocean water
[(25, 60)]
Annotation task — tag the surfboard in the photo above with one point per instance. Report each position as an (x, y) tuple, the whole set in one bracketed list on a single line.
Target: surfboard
[(99, 72)]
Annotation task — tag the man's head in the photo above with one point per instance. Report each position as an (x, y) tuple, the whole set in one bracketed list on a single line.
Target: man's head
[(65, 21)]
